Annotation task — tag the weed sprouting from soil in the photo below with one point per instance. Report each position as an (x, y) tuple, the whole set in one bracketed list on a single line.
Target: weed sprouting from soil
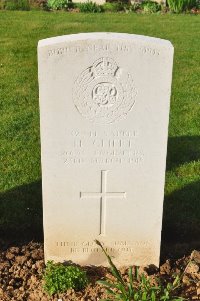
[(138, 287)]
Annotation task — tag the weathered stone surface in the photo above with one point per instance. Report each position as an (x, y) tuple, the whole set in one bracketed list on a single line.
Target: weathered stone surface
[(104, 103)]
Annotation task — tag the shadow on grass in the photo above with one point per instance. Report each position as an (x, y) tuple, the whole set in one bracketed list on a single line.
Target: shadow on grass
[(182, 150), (181, 212), (181, 221), (21, 214)]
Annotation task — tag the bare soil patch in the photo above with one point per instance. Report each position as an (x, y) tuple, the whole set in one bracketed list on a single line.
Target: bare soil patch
[(22, 267)]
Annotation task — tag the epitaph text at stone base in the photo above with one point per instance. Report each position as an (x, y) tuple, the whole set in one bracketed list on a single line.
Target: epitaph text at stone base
[(104, 110)]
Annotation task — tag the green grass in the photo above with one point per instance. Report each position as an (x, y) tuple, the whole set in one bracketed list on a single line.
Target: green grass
[(20, 174)]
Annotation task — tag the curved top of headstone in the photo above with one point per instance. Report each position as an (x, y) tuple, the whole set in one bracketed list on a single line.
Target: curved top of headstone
[(105, 35)]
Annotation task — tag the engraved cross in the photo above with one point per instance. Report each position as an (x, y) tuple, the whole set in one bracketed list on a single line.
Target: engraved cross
[(103, 195)]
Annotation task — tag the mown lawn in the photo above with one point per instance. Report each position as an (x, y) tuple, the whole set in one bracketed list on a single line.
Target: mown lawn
[(20, 174)]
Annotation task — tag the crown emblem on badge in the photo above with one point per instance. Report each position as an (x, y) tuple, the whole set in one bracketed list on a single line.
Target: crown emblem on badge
[(105, 67)]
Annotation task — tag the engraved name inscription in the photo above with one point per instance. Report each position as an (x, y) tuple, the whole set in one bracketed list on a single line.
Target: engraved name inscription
[(94, 147)]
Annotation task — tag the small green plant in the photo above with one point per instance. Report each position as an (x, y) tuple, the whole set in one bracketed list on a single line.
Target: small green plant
[(59, 278), (57, 4), (179, 6), (138, 287), (113, 6), (16, 5), (90, 7), (150, 7)]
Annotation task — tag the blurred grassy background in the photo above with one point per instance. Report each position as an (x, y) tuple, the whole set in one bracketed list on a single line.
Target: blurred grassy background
[(20, 174)]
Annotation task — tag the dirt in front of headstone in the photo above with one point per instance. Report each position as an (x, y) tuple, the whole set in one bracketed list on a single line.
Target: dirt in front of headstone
[(22, 268)]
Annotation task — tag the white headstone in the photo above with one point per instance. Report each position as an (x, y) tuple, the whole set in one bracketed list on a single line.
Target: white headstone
[(104, 103)]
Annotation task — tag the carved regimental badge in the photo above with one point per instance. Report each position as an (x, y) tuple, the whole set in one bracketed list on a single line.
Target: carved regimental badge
[(104, 92)]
